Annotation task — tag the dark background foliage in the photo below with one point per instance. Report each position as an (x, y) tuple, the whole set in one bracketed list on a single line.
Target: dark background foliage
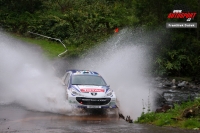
[(82, 24)]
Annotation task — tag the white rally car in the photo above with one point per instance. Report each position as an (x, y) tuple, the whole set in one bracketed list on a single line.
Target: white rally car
[(87, 89)]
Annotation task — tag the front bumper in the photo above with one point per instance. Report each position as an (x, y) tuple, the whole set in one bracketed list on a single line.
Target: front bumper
[(85, 102)]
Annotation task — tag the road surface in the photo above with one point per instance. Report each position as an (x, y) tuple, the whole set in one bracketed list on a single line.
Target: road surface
[(16, 119)]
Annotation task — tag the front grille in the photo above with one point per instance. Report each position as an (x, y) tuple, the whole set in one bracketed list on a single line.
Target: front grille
[(93, 101)]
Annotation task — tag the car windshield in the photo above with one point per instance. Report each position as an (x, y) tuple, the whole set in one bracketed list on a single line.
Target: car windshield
[(88, 80)]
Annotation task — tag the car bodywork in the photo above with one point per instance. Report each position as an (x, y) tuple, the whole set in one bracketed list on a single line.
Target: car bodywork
[(87, 89)]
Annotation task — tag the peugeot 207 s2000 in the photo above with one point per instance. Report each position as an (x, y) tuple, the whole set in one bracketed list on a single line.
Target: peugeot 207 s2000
[(87, 89)]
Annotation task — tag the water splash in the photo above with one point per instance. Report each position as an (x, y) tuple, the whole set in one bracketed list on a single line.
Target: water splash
[(27, 78), (124, 61)]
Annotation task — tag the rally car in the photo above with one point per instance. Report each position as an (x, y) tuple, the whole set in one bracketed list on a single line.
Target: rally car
[(87, 89)]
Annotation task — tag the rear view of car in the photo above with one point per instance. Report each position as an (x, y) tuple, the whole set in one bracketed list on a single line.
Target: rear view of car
[(87, 89)]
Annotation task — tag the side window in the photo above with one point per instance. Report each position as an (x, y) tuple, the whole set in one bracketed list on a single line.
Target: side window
[(67, 79)]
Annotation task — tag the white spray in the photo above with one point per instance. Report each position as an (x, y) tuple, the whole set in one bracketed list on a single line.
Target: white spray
[(124, 62), (27, 78)]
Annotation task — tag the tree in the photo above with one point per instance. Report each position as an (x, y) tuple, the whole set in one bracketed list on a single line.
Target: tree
[(21, 6), (179, 55)]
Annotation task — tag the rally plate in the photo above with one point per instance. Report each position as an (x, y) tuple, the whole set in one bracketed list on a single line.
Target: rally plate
[(94, 107)]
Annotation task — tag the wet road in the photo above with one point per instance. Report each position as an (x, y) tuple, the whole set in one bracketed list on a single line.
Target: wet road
[(16, 119)]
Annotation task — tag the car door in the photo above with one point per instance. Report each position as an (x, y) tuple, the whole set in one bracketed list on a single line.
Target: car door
[(67, 80)]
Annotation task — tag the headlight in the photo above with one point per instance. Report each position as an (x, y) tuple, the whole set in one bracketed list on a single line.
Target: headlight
[(75, 92), (109, 92)]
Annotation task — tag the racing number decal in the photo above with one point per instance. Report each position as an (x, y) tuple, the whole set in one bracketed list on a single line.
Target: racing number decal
[(92, 90)]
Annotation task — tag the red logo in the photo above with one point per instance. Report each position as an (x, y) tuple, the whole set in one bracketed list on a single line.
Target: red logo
[(92, 90), (180, 15)]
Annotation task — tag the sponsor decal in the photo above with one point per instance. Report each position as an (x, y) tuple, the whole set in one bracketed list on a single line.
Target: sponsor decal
[(91, 90)]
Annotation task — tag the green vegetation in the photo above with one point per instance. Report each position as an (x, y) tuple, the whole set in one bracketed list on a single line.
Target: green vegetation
[(82, 24), (51, 49), (175, 117), (79, 24), (179, 50)]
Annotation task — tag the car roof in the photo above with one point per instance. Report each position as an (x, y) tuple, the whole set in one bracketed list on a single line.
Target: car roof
[(82, 72)]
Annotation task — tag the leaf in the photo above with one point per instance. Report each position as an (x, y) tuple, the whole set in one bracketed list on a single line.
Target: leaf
[(182, 57), (169, 66), (158, 61)]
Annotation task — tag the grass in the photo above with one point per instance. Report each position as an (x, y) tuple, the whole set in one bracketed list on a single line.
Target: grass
[(191, 123), (173, 117), (51, 48)]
